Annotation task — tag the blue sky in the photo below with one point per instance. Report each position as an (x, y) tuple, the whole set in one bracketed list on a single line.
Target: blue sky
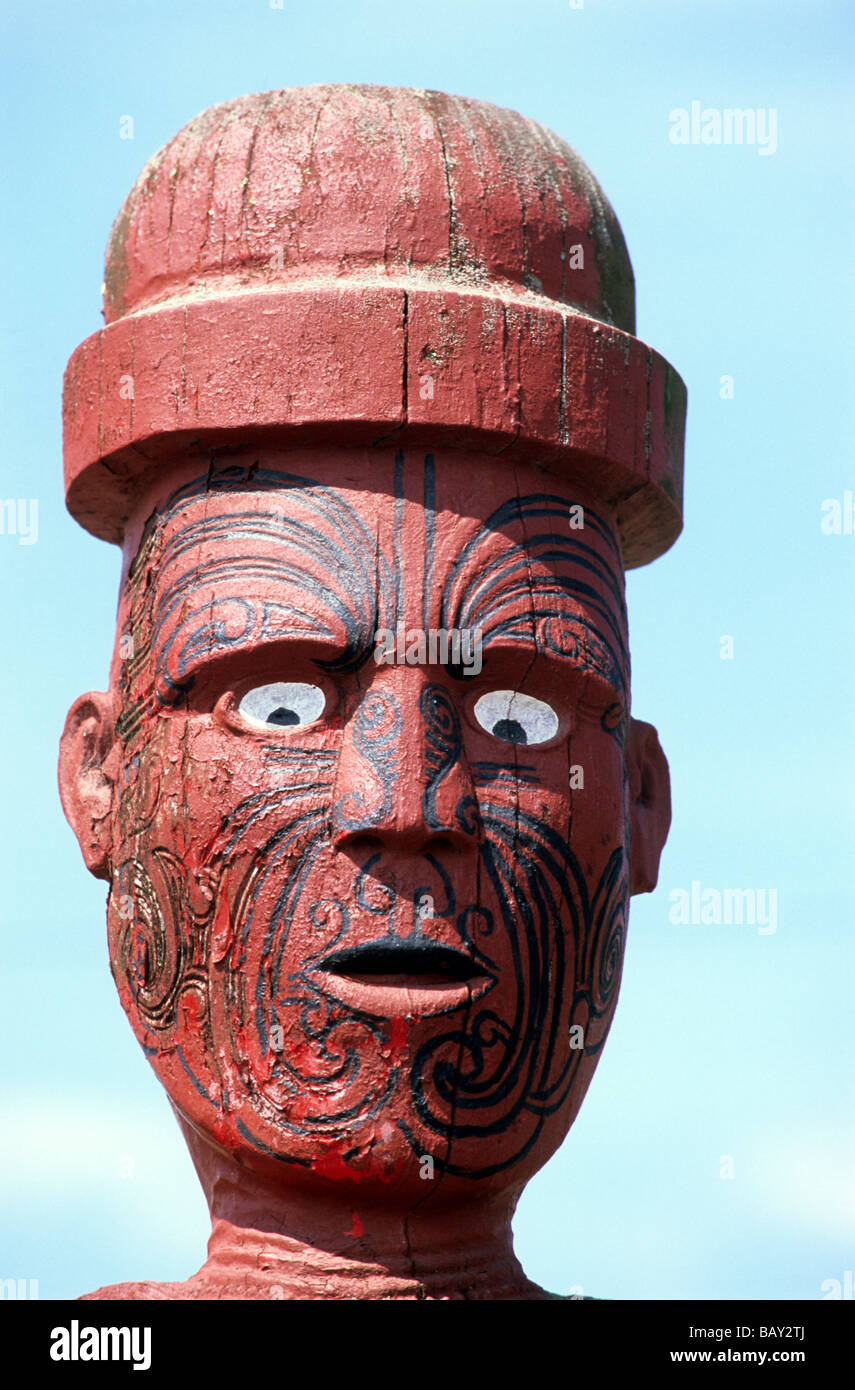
[(732, 1049)]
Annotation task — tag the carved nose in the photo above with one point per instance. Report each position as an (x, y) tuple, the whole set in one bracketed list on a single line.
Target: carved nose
[(402, 776)]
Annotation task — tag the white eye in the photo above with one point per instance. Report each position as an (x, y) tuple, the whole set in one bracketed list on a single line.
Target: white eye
[(518, 718), (283, 705)]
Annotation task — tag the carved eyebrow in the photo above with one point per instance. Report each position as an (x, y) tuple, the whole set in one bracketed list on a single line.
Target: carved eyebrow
[(203, 637), (319, 546), (282, 569), (319, 525), (583, 649), (541, 566)]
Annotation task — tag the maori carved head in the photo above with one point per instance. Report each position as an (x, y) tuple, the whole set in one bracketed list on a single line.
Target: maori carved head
[(369, 419)]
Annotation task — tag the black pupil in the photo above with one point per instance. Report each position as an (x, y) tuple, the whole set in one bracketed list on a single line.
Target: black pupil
[(511, 729), (285, 716)]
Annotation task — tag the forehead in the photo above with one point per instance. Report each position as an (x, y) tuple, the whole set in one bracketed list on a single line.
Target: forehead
[(419, 524), (332, 555)]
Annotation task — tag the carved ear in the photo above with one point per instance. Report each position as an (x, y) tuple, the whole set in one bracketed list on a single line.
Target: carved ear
[(650, 804), (87, 774)]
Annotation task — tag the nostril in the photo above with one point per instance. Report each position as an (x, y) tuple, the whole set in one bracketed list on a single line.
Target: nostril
[(441, 842), (364, 843)]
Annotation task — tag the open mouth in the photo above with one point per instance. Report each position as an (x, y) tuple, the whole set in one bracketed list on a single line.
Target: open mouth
[(396, 977)]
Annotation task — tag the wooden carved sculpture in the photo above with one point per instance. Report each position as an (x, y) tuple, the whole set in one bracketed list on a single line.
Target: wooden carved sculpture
[(370, 421)]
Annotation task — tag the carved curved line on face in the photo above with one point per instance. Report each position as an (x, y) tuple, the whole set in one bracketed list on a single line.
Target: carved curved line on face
[(348, 532), (375, 733), (333, 1071), (559, 543), (157, 962), (487, 774), (533, 920), (476, 595), (258, 806), (540, 891), (545, 858), (341, 564), (151, 957), (605, 949), (210, 637), (447, 909), (364, 881), (196, 1083), (533, 890), (256, 1143), (297, 842), (444, 746)]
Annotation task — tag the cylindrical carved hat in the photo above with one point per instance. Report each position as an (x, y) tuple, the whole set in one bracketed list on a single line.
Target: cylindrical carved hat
[(367, 264)]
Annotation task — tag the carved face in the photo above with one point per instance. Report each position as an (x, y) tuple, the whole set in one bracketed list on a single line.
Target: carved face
[(369, 842)]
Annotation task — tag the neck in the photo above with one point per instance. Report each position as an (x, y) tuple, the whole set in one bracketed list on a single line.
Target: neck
[(274, 1241)]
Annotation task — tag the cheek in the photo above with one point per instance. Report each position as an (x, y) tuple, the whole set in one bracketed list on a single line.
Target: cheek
[(581, 837), (187, 776), (581, 795), (598, 844), (595, 792), (179, 785)]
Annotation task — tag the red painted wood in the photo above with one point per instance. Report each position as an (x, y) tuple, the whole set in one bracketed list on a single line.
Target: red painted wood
[(301, 261), (391, 426)]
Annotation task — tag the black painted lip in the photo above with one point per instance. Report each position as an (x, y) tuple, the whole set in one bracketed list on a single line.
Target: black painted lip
[(416, 960)]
